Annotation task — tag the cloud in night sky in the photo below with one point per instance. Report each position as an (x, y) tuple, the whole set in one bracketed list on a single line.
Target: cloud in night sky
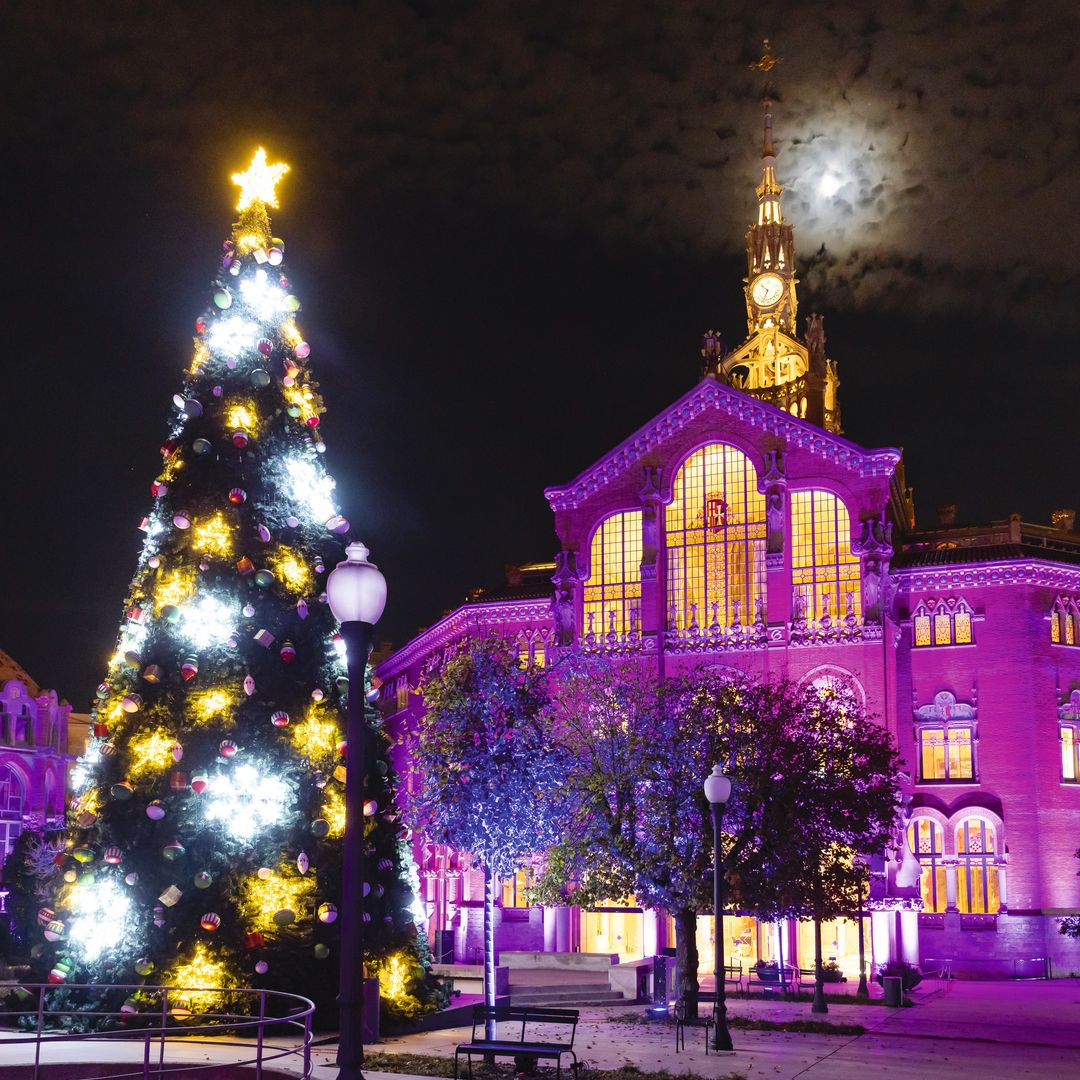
[(509, 222), (947, 129)]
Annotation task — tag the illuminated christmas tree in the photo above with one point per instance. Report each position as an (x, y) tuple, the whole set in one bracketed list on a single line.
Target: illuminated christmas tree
[(206, 816)]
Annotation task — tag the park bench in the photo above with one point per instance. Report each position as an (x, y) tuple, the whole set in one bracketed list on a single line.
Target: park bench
[(805, 977), (519, 1046), (771, 978)]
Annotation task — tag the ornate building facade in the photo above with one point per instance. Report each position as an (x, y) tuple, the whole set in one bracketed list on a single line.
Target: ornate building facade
[(739, 528), (33, 755)]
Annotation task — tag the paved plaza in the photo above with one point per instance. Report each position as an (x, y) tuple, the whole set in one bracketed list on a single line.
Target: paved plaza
[(984, 1030)]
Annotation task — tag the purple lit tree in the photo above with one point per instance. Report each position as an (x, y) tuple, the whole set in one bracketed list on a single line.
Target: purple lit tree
[(641, 826), (493, 775)]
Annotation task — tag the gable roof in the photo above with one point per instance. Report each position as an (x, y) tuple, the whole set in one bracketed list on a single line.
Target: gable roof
[(10, 669), (712, 395)]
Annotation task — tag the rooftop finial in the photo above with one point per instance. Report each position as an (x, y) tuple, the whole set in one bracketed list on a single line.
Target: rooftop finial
[(765, 63)]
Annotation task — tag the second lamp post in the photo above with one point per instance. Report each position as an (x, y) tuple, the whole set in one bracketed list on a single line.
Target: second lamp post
[(717, 792)]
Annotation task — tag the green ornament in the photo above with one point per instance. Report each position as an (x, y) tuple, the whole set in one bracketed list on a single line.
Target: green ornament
[(320, 827), (144, 966), (322, 951), (284, 917), (264, 579)]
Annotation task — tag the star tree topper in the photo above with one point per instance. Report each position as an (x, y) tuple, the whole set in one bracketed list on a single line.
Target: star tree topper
[(258, 182)]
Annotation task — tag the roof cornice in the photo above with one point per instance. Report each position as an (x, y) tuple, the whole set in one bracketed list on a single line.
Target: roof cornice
[(1039, 572), (711, 395), (467, 617)]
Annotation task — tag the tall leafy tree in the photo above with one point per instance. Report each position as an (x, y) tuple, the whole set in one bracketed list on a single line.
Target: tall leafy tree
[(641, 825), (492, 775)]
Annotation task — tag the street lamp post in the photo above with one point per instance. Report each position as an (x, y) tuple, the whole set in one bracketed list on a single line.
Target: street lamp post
[(357, 594), (864, 989), (717, 792)]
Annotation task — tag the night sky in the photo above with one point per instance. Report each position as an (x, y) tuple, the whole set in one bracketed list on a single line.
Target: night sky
[(509, 224)]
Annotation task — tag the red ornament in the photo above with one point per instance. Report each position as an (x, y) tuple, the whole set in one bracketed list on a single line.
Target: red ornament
[(245, 566), (312, 421), (265, 347), (237, 496), (210, 921), (239, 439), (254, 940), (178, 780), (189, 669), (101, 731), (288, 652), (280, 719), (227, 748), (113, 856), (200, 325)]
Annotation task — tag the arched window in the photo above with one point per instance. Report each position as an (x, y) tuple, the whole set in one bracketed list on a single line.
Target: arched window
[(942, 622), (925, 837), (824, 571), (976, 870), (11, 808), (1063, 622), (715, 540), (613, 591)]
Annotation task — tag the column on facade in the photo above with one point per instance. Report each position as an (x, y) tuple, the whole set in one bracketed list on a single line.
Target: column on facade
[(950, 884), (778, 598), (1003, 893), (874, 548), (653, 586), (884, 935), (909, 937)]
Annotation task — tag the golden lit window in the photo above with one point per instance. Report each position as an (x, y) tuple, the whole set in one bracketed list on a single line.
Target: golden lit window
[(1063, 622), (613, 590), (1070, 765), (976, 870), (942, 622), (514, 889), (715, 540), (945, 753), (925, 838), (824, 571), (530, 649)]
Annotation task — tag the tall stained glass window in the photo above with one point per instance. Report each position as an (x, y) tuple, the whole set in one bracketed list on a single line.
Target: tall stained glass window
[(612, 592), (925, 839), (976, 871), (824, 569), (715, 539), (11, 808)]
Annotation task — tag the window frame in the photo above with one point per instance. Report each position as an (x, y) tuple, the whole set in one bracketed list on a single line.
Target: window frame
[(945, 726), (931, 616), (823, 573), (719, 482), (616, 582)]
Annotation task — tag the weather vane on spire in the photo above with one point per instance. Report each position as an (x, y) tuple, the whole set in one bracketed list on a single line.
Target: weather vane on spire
[(259, 181), (766, 62)]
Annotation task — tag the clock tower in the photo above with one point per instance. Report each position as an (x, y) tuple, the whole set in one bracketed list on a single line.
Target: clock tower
[(773, 363)]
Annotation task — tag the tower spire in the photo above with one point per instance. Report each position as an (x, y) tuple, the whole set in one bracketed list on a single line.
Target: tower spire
[(773, 363)]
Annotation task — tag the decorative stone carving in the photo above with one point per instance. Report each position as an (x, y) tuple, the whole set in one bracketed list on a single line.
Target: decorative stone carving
[(875, 548), (774, 485), (565, 579), (651, 499), (815, 343)]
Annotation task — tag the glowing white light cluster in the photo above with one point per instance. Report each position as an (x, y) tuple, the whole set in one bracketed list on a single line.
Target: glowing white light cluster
[(263, 299), (245, 800), (82, 773), (208, 622), (233, 336), (829, 185), (100, 917), (312, 488)]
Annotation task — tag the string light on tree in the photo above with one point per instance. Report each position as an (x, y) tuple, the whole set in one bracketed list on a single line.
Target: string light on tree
[(194, 774)]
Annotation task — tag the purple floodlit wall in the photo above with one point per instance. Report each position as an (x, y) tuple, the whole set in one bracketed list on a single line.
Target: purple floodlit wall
[(1005, 822), (33, 760)]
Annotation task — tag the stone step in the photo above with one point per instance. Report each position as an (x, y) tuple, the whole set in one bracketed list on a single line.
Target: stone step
[(557, 998)]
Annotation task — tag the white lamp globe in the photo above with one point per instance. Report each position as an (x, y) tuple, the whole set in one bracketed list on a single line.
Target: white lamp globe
[(717, 786), (356, 588)]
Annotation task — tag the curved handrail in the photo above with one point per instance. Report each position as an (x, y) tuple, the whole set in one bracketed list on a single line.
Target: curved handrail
[(162, 1028)]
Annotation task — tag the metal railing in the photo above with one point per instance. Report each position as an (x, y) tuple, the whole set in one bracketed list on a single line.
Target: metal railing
[(170, 1023)]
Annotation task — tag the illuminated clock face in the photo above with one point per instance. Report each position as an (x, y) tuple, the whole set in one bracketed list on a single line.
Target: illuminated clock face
[(766, 290)]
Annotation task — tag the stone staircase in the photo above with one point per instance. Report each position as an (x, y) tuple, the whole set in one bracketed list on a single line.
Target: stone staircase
[(564, 994)]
